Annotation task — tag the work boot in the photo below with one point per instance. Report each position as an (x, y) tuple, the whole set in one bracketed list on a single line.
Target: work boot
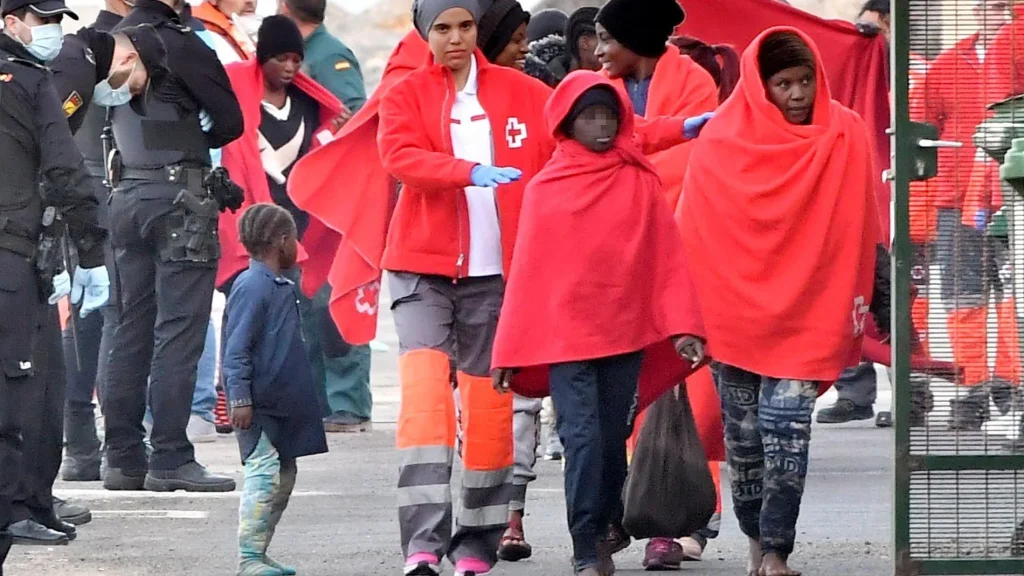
[(82, 446), (343, 421), (123, 479), (51, 521), (32, 533), (74, 514), (1003, 394), (971, 411), (662, 554), (191, 477), (843, 411)]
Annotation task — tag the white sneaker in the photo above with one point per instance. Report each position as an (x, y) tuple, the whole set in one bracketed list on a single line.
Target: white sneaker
[(200, 430)]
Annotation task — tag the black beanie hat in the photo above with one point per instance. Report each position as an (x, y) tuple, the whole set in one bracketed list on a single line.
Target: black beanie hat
[(642, 26), (545, 23), (580, 24), (278, 35), (497, 25), (596, 96), (783, 50)]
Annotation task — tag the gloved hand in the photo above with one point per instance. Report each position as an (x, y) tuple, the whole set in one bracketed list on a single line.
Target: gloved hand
[(94, 284), (205, 122), (229, 196), (61, 287), (492, 176), (869, 29), (693, 126), (503, 379), (690, 348), (981, 218)]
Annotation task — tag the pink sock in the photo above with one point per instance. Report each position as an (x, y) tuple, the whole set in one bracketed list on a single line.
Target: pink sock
[(472, 565)]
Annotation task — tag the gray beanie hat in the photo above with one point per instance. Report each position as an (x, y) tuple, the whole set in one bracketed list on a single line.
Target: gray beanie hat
[(424, 12)]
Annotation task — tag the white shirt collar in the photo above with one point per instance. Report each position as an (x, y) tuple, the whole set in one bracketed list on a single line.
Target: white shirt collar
[(471, 83)]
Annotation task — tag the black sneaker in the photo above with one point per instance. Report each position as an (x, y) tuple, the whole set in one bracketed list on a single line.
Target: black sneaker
[(843, 411), (32, 533), (51, 521), (191, 477), (346, 422), (123, 479)]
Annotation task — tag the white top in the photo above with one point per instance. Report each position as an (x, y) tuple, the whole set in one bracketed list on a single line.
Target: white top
[(472, 141), (979, 47)]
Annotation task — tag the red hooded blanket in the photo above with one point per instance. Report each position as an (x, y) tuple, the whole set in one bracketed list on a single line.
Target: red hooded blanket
[(782, 239), (242, 160), (596, 245), (856, 65), (359, 204)]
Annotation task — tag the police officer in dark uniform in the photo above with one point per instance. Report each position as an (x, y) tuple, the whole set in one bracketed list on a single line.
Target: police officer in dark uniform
[(164, 212), (94, 70), (44, 186)]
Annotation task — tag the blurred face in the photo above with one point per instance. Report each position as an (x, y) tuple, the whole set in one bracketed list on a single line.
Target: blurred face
[(514, 54), (281, 70), (452, 38), (234, 7), (880, 20), (588, 59), (596, 128), (793, 91), (616, 59), (991, 16)]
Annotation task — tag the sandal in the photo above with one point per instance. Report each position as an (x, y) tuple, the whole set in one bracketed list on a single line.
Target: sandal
[(514, 547)]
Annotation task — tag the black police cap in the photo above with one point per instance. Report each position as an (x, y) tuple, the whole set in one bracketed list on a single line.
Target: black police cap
[(43, 8), (150, 47)]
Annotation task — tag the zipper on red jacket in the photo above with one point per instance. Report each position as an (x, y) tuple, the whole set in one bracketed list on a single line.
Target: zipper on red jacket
[(446, 118)]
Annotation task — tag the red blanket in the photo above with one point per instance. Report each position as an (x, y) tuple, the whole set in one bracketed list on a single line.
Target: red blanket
[(782, 236), (358, 204), (856, 66), (599, 268), (242, 160)]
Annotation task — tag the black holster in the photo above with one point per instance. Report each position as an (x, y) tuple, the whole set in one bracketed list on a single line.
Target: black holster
[(192, 226)]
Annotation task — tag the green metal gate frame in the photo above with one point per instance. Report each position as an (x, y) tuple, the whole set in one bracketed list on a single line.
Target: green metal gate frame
[(907, 465)]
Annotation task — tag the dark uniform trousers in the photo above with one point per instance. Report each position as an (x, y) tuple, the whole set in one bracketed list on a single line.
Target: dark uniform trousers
[(42, 430), (164, 312), (19, 304)]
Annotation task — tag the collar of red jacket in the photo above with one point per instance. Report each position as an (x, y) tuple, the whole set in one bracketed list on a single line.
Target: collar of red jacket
[(482, 64), (571, 89)]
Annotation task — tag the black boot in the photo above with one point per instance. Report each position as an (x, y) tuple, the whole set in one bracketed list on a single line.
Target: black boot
[(82, 454), (50, 520), (74, 514), (191, 477), (971, 411), (32, 533)]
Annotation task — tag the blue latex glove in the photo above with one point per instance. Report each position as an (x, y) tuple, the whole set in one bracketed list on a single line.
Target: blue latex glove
[(94, 284), (61, 287), (981, 219), (492, 176), (693, 126), (205, 122)]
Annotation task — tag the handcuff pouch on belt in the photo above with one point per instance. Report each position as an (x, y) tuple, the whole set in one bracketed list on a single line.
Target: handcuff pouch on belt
[(192, 225)]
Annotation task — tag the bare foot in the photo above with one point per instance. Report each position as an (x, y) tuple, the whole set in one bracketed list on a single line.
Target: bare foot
[(754, 563), (774, 565)]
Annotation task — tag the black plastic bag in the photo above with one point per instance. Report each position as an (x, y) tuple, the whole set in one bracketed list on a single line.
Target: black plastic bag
[(669, 492)]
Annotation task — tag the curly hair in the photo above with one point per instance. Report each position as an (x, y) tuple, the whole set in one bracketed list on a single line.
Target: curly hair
[(261, 225)]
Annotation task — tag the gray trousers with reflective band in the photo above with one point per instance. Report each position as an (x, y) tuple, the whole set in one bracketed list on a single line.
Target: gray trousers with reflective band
[(458, 320)]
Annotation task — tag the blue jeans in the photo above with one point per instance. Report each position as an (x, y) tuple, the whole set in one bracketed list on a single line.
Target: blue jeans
[(596, 400)]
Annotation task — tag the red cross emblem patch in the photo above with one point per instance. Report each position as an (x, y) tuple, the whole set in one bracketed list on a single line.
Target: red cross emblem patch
[(515, 132)]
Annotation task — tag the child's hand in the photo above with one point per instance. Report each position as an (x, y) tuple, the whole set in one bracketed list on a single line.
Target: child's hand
[(503, 379), (690, 348), (241, 417)]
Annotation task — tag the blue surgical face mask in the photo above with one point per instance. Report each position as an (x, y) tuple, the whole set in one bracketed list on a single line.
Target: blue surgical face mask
[(104, 95), (47, 40)]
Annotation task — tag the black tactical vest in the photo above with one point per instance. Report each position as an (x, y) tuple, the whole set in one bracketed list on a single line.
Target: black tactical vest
[(165, 136)]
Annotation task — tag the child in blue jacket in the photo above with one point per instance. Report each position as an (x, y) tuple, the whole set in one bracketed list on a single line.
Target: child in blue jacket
[(270, 389)]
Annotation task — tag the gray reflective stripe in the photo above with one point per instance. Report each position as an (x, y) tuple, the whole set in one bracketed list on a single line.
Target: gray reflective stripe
[(427, 455), (417, 495), (488, 479), (486, 516)]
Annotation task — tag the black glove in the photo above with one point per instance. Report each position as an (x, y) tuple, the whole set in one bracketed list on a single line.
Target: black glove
[(869, 29), (881, 303), (227, 194)]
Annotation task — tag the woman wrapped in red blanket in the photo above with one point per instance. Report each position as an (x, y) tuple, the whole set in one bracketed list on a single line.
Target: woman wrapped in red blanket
[(596, 245), (783, 243)]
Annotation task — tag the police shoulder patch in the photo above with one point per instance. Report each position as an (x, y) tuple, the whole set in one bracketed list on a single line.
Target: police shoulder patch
[(342, 65), (72, 104)]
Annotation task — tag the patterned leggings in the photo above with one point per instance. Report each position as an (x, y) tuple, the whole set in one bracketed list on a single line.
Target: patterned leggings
[(268, 486), (767, 436)]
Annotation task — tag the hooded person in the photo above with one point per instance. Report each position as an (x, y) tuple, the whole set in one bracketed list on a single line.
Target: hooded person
[(794, 211), (632, 48), (463, 137), (502, 35), (558, 318)]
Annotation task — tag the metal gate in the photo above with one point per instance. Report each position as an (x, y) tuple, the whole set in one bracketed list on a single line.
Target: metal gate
[(958, 253)]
